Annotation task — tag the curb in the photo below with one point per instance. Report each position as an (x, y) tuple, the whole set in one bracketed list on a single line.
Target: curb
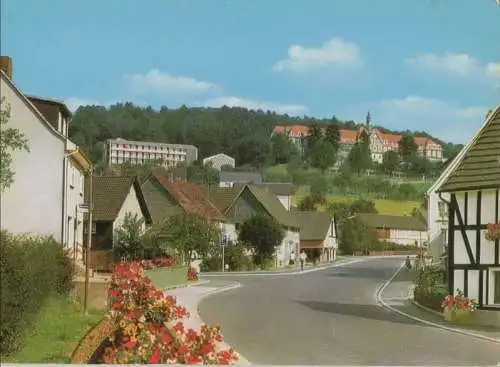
[(186, 285), (298, 272), (381, 302), (241, 360), (425, 308)]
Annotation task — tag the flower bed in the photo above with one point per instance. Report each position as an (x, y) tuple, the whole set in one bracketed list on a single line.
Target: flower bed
[(458, 308), (430, 300), (192, 274), (149, 330)]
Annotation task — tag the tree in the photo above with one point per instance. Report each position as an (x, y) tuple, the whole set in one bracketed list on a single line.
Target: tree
[(332, 135), (359, 157), (390, 162), (407, 147), (11, 139), (128, 240), (322, 155), (319, 190), (188, 234), (282, 149), (262, 234), (315, 134), (362, 206), (307, 204), (203, 175), (356, 236)]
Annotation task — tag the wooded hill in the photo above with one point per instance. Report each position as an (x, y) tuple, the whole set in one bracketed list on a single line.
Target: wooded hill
[(242, 133)]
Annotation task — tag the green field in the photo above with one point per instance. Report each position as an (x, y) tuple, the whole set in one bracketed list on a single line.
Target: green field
[(389, 207)]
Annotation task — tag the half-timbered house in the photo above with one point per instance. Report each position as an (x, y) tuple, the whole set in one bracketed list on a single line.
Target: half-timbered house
[(473, 187)]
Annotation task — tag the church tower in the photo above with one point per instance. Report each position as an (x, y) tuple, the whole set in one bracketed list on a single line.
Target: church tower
[(368, 123)]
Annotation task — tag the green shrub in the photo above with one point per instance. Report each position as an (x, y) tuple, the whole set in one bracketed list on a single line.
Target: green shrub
[(234, 257), (32, 269)]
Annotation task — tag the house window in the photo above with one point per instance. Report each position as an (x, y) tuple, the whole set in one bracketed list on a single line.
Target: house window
[(442, 209), (94, 227)]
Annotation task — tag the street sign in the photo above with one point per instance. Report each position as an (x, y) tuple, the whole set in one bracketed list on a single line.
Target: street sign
[(84, 207), (223, 240)]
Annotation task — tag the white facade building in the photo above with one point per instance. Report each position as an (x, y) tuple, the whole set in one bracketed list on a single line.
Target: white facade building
[(120, 151), (317, 231), (220, 160), (473, 187), (48, 184), (401, 230)]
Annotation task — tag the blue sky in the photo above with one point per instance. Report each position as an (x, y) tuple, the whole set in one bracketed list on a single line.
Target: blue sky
[(429, 65)]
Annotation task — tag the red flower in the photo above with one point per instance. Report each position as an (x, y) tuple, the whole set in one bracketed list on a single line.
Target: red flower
[(166, 338), (155, 357)]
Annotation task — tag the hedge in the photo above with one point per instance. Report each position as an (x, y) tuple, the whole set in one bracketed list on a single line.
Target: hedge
[(430, 300), (31, 270)]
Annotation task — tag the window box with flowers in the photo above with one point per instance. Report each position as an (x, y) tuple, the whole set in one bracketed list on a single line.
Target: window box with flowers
[(493, 232), (458, 308)]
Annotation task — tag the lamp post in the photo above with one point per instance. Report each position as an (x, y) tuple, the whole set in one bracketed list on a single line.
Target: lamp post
[(223, 244), (89, 243)]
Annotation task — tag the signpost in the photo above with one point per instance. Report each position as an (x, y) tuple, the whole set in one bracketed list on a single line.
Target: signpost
[(223, 243)]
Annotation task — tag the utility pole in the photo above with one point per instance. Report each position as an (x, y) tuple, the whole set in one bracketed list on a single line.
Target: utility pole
[(89, 243)]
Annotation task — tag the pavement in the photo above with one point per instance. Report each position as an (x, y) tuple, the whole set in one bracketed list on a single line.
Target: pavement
[(398, 297), (334, 317)]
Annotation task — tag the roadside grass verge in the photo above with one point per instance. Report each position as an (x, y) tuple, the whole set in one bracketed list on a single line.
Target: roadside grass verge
[(384, 206), (55, 333)]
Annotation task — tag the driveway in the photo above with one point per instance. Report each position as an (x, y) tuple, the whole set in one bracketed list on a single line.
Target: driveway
[(331, 317)]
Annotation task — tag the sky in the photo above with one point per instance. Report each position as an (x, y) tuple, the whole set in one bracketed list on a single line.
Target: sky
[(431, 65)]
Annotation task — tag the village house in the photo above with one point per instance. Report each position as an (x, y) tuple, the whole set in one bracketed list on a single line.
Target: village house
[(380, 142), (113, 197), (229, 179), (283, 191), (317, 233), (166, 197), (472, 186), (47, 193), (240, 203), (220, 160), (401, 230)]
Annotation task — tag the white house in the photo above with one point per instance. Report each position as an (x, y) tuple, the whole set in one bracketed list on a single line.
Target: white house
[(402, 230), (473, 187), (229, 179), (35, 202), (317, 231), (437, 208), (113, 198), (220, 160)]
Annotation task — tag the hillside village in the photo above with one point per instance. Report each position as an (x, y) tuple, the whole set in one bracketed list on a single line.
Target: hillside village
[(108, 192)]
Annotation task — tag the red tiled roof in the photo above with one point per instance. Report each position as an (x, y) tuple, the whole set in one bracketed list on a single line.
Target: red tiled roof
[(349, 136), (191, 198)]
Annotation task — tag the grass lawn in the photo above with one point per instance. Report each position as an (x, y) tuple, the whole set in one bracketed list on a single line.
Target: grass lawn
[(389, 207), (56, 332)]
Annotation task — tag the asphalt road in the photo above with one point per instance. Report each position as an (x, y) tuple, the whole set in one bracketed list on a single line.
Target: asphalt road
[(331, 317)]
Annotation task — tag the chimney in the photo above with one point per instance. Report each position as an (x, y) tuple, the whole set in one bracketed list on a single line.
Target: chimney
[(6, 66)]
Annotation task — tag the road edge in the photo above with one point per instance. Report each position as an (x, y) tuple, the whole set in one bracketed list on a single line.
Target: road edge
[(379, 299), (241, 360)]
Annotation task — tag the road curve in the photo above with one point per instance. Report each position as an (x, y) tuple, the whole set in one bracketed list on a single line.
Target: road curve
[(331, 317)]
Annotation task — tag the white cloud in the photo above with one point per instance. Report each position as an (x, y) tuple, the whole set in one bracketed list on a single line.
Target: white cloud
[(493, 69), (290, 109), (462, 65), (445, 120), (156, 81), (335, 52)]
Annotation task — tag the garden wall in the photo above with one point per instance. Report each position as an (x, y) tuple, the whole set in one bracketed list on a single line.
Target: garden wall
[(98, 297), (166, 277)]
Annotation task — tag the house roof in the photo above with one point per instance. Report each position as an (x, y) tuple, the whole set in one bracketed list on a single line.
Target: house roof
[(277, 188), (240, 177), (217, 156), (313, 225), (273, 206), (349, 136), (192, 198), (479, 167), (50, 101), (31, 106), (392, 221), (109, 193), (223, 197)]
